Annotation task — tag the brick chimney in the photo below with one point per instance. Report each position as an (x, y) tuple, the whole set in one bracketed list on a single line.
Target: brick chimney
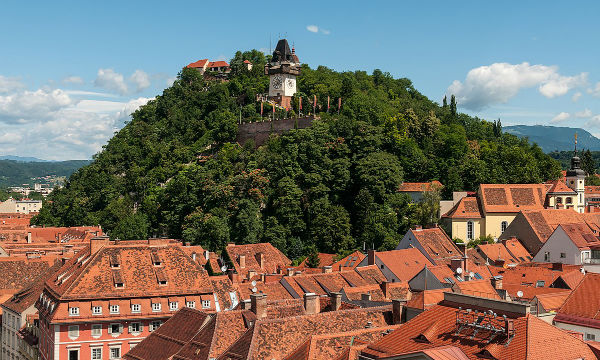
[(497, 282), (557, 266), (251, 274), (98, 242), (312, 304), (260, 259), (258, 305), (397, 311), (371, 257), (233, 277), (327, 269), (246, 304), (336, 300), (385, 288), (499, 262), (206, 254), (242, 259), (290, 272), (365, 297), (455, 264), (29, 237)]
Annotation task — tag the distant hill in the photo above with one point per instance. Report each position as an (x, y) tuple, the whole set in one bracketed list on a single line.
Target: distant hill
[(554, 138), (21, 158), (13, 173)]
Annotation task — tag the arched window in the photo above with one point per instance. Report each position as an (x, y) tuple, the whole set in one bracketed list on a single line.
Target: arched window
[(470, 229), (569, 200), (503, 226)]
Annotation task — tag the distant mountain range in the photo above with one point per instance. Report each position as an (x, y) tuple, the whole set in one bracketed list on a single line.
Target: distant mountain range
[(22, 158), (23, 170), (554, 138)]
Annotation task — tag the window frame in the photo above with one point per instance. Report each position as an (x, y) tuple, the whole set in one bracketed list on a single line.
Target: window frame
[(111, 307), (92, 352), (96, 327), (470, 230), (173, 305), (94, 308), (136, 308), (74, 311)]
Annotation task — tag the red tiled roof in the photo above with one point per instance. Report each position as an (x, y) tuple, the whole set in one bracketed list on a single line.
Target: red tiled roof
[(198, 64), (419, 186), (28, 295), (533, 339), (425, 299), (544, 222), (517, 250), (554, 300), (582, 307), (273, 259), (498, 251), (324, 260), (580, 234), (436, 243), (349, 262), (512, 198), (466, 208), (371, 274), (559, 187), (405, 263), (220, 63), (480, 288), (274, 290)]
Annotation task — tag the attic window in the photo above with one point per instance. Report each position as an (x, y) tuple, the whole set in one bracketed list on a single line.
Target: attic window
[(156, 261), (118, 280), (540, 283), (115, 262), (161, 277)]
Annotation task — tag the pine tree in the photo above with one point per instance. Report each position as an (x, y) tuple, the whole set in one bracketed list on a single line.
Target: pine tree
[(497, 128), (453, 106), (313, 260), (445, 102)]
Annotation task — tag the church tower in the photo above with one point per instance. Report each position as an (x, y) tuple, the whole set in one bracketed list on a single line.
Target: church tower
[(282, 71), (576, 181)]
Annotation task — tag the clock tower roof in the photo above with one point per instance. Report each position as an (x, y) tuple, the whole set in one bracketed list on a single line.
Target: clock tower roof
[(282, 52)]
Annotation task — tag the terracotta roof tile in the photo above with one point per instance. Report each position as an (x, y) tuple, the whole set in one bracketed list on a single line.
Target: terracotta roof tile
[(425, 299), (582, 307), (419, 186), (273, 259), (349, 262), (198, 64), (371, 274), (512, 197), (559, 187), (405, 263), (480, 288), (468, 208), (533, 338), (554, 300), (436, 243)]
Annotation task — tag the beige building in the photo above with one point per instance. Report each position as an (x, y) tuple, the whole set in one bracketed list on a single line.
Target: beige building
[(495, 206), (13, 206)]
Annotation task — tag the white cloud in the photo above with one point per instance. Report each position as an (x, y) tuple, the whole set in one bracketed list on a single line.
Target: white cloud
[(75, 80), (595, 91), (8, 84), (111, 80), (593, 122), (559, 85), (27, 106), (313, 28), (11, 138), (584, 114), (326, 32), (499, 82), (576, 96), (141, 80), (560, 117), (89, 93)]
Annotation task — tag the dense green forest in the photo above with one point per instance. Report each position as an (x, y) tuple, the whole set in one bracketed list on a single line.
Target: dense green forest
[(14, 173), (330, 187)]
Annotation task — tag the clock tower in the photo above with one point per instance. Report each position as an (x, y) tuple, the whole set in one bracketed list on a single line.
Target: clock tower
[(282, 71)]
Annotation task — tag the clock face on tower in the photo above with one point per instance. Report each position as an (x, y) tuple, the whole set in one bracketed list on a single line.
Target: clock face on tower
[(290, 83), (277, 82)]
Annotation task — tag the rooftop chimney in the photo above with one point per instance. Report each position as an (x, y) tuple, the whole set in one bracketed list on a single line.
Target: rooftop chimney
[(336, 300), (311, 303), (499, 262), (418, 228), (242, 259), (497, 282), (385, 288), (258, 305), (290, 272), (397, 310), (251, 274), (29, 237), (206, 254), (260, 259), (246, 304), (96, 243), (455, 264), (327, 269), (371, 257), (233, 277), (557, 266)]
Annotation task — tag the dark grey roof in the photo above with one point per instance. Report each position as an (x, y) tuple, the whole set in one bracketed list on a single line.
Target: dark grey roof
[(282, 52)]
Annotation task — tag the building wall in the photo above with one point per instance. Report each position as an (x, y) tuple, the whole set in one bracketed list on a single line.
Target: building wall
[(83, 341), (26, 207), (260, 131), (493, 223), (459, 228), (556, 244), (11, 323), (521, 229), (586, 331), (389, 275), (8, 206)]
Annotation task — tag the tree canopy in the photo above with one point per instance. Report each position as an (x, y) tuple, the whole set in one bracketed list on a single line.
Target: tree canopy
[(175, 170)]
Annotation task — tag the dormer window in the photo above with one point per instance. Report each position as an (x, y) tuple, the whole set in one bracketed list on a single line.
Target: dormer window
[(156, 307), (156, 261), (114, 309), (161, 277), (190, 304), (73, 311), (115, 261), (174, 305), (96, 310), (118, 279), (206, 304), (136, 308)]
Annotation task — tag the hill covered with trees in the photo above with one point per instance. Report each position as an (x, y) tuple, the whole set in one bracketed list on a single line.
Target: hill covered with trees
[(175, 171), (14, 173)]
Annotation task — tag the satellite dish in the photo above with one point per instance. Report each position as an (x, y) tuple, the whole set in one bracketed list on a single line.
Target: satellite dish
[(224, 268), (253, 283), (519, 293), (459, 271), (472, 274), (254, 290)]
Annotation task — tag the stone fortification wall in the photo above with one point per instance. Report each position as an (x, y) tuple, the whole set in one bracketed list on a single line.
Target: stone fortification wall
[(260, 131)]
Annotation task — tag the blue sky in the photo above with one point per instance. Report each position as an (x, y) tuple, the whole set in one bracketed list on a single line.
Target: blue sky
[(71, 72)]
